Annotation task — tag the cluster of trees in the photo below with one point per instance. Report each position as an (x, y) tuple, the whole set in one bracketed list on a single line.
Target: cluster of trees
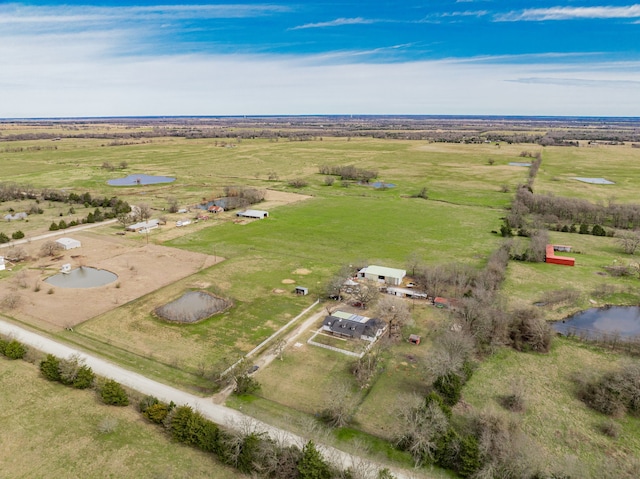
[(251, 452), (12, 348), (556, 209), (71, 372), (15, 235), (349, 172)]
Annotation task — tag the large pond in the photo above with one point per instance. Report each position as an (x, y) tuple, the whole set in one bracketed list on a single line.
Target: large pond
[(192, 306), (593, 323), (133, 180), (84, 277)]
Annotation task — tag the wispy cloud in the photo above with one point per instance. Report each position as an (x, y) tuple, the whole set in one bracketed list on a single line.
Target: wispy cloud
[(15, 13), (338, 22), (571, 13), (578, 82)]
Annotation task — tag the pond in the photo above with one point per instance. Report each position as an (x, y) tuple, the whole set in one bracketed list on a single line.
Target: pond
[(192, 306), (597, 322), (595, 181), (518, 163), (382, 185), (84, 277), (134, 180)]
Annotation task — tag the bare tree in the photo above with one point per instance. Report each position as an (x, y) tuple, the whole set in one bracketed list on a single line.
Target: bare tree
[(628, 240), (365, 368), (50, 248), (278, 349), (340, 404), (173, 205), (395, 312), (143, 212), (365, 294), (15, 254)]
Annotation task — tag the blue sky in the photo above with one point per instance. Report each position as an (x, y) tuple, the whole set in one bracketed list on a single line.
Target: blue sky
[(477, 57)]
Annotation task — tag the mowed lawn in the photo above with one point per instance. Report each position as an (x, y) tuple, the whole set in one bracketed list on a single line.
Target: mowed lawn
[(565, 432), (50, 430)]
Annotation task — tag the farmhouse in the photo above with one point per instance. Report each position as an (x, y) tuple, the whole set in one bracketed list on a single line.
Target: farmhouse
[(563, 260), (215, 209), (144, 226), (258, 214), (354, 326), (68, 243), (383, 274)]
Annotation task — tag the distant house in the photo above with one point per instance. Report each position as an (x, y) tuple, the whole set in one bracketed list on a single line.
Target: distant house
[(215, 209), (68, 243), (17, 216), (257, 214), (383, 274), (354, 326), (144, 226)]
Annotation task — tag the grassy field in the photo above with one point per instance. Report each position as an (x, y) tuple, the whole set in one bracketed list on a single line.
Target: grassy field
[(50, 430), (468, 188), (565, 432)]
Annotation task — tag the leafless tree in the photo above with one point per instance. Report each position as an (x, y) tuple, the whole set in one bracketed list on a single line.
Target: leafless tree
[(453, 349), (365, 294), (628, 240), (143, 212), (15, 254), (173, 204), (50, 248), (340, 404), (395, 312), (278, 349)]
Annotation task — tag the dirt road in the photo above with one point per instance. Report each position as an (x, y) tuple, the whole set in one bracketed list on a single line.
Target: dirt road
[(220, 414), (56, 233)]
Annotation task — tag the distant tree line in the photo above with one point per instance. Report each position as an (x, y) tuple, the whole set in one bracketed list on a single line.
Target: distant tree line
[(349, 172)]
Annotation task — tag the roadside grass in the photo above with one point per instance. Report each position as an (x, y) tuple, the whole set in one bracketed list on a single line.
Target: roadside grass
[(565, 431), (528, 283), (50, 430)]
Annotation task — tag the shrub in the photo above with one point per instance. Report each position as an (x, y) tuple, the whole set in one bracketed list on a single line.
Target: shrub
[(15, 350), (146, 402), (529, 332), (245, 384), (17, 235), (298, 183), (157, 413), (3, 346), (312, 465), (53, 226), (4, 238), (49, 368), (610, 428), (84, 378), (114, 394), (449, 386), (614, 393), (598, 230)]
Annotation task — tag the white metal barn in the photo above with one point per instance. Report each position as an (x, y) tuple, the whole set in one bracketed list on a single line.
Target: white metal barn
[(383, 274), (2, 267), (258, 214), (68, 243)]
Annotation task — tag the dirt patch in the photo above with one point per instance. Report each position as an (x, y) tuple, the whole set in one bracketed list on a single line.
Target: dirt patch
[(141, 269), (278, 291), (288, 281), (302, 271)]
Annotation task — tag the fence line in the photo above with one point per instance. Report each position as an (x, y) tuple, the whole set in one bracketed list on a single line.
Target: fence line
[(270, 338), (333, 348)]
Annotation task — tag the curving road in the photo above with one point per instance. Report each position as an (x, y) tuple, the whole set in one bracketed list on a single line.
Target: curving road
[(222, 415)]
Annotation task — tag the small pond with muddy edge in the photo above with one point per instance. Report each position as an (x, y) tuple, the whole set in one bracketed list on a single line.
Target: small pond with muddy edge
[(594, 323), (84, 277)]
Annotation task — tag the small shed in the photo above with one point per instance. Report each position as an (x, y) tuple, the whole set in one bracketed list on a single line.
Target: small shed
[(301, 290), (215, 209), (2, 266), (414, 339), (68, 243)]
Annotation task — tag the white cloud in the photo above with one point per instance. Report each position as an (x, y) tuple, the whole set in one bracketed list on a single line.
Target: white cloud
[(338, 22), (571, 13)]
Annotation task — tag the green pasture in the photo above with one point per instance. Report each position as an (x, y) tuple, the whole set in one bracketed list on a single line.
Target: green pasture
[(51, 430), (528, 283), (564, 431), (619, 163)]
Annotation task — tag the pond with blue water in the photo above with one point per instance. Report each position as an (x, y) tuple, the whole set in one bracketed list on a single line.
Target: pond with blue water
[(135, 180), (594, 323)]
